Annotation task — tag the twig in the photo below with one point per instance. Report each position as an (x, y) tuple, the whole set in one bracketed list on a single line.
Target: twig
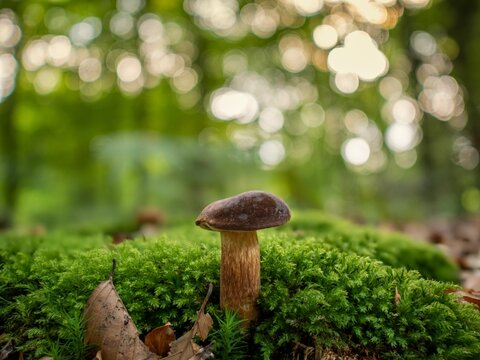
[(209, 292), (114, 267)]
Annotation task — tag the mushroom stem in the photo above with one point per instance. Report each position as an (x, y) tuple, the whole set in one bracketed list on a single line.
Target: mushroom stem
[(240, 273)]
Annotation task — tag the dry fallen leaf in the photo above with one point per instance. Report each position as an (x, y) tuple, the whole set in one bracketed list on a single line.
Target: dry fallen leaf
[(472, 297), (184, 348), (397, 296), (205, 323), (474, 300), (98, 355), (158, 340), (110, 328)]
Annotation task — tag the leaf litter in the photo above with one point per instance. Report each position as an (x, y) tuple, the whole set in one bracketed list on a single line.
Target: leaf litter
[(111, 330)]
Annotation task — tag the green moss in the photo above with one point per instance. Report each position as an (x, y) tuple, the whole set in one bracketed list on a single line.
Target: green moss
[(391, 248), (311, 293), (342, 300)]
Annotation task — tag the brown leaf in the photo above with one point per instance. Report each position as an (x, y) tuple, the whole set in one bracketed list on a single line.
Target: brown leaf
[(184, 348), (204, 321), (158, 340), (473, 298), (98, 355), (397, 296), (110, 328)]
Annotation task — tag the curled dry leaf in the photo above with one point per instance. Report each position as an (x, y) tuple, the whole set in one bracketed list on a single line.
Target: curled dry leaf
[(110, 328), (158, 340)]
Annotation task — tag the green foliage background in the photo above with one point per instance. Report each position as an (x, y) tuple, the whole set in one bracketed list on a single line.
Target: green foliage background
[(86, 152)]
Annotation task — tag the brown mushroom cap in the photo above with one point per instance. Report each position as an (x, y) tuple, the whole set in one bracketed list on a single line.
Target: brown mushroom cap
[(248, 211)]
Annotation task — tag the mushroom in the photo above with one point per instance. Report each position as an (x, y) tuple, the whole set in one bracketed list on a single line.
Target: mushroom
[(237, 219)]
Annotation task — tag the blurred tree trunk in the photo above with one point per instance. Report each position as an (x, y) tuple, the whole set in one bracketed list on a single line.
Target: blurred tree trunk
[(9, 140), (466, 31), (429, 186), (9, 151), (463, 25)]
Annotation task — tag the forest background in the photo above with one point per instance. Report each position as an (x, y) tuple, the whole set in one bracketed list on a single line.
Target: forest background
[(364, 109)]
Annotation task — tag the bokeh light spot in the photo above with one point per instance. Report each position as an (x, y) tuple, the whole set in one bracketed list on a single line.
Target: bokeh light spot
[(406, 159), (8, 66), (46, 80), (359, 56), (84, 32), (129, 68), (122, 24), (185, 81), (405, 110), (356, 151), (346, 83), (312, 115), (423, 43), (271, 120), (390, 87), (150, 28), (59, 50), (90, 70), (308, 7), (356, 121), (401, 137), (416, 4), (230, 104), (294, 59), (325, 36), (10, 33), (272, 152)]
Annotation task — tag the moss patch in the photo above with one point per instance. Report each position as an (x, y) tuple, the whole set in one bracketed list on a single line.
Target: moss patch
[(391, 248), (312, 293)]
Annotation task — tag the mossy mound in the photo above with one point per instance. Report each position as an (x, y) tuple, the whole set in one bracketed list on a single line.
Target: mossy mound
[(391, 248), (311, 294)]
